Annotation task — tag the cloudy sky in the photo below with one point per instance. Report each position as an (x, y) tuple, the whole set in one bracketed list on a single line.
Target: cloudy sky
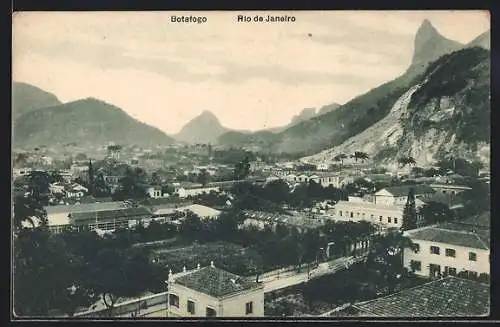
[(251, 75)]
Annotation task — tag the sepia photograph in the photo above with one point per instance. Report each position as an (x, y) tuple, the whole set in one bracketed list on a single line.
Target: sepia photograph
[(250, 164)]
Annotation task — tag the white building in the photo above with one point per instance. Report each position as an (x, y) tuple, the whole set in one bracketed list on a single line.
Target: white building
[(213, 292), (201, 211), (156, 192), (450, 248), (184, 192), (386, 216), (397, 195)]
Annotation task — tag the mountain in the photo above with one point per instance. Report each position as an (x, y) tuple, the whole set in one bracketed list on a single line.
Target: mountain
[(264, 137), (26, 97), (204, 128), (84, 122), (445, 111), (326, 109), (430, 45), (336, 126), (305, 114), (483, 41)]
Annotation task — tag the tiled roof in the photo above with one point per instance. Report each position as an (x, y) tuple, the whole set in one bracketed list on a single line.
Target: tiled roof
[(482, 220), (109, 214), (452, 234), (201, 211), (215, 282), (403, 190), (447, 297)]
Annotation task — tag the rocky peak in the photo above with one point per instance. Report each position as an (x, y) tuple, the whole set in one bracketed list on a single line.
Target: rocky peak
[(430, 44)]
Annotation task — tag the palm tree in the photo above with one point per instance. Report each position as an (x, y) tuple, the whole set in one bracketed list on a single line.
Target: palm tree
[(406, 161), (340, 157)]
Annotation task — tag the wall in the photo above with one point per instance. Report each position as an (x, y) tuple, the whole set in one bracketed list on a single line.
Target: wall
[(235, 306), (201, 302), (370, 212), (460, 262)]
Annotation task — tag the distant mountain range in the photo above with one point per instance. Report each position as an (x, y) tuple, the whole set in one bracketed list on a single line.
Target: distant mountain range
[(84, 122)]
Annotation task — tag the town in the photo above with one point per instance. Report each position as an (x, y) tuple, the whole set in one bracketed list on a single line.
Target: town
[(199, 231)]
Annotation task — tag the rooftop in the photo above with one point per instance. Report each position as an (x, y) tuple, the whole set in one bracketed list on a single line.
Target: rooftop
[(216, 282), (200, 210), (452, 233), (83, 207), (403, 190), (447, 297), (367, 204)]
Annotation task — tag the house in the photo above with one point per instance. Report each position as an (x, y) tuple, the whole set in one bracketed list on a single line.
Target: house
[(18, 172), (213, 292), (323, 166), (385, 216), (109, 220), (449, 189), (75, 190), (156, 192), (446, 297), (397, 195), (450, 248)]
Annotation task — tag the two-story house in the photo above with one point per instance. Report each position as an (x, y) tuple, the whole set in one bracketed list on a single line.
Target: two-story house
[(450, 248), (213, 292)]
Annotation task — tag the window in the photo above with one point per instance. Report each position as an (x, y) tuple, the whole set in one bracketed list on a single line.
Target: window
[(380, 218), (190, 307), (389, 220), (450, 253), (415, 265), (435, 250), (395, 220), (450, 271), (210, 312), (371, 217), (352, 214), (472, 256), (173, 300), (249, 308), (416, 247), (340, 213)]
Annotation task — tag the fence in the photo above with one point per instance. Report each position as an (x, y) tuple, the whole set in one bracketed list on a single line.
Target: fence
[(127, 307)]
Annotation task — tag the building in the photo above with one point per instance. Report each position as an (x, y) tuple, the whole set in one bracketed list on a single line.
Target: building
[(397, 195), (110, 220), (59, 216), (187, 191), (446, 297), (213, 292), (449, 189), (18, 172), (451, 248), (156, 192), (385, 216)]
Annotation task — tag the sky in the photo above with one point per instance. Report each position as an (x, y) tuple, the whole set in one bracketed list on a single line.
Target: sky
[(250, 75)]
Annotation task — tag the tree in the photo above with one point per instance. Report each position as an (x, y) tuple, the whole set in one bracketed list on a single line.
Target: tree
[(30, 212), (39, 186), (409, 212), (242, 169), (191, 226), (435, 212), (340, 157), (406, 161), (203, 177), (277, 191), (91, 178)]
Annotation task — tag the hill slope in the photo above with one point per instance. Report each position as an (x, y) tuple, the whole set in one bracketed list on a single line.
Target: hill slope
[(336, 126), (446, 111), (204, 128), (84, 122), (26, 97)]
